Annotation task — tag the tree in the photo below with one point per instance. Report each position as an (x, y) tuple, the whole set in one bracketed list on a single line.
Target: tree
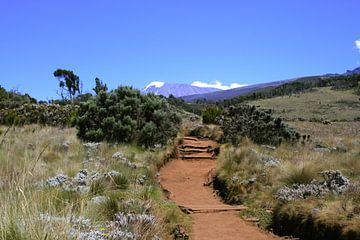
[(99, 86), (69, 82)]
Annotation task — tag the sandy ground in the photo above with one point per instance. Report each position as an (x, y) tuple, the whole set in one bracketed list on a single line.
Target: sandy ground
[(184, 179)]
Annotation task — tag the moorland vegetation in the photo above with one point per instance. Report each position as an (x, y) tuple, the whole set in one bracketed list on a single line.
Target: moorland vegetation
[(86, 165)]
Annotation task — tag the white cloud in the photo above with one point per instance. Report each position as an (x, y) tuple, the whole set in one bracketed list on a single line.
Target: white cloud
[(357, 44), (155, 84), (217, 84)]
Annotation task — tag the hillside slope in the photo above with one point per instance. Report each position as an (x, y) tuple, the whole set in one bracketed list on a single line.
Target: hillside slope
[(319, 103)]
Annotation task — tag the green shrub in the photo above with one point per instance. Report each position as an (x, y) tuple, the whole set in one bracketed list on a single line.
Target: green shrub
[(44, 114), (124, 115), (258, 125), (210, 114)]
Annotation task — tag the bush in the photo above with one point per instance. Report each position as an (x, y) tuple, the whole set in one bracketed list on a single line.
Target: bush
[(210, 114), (14, 99), (258, 125), (44, 114), (124, 115)]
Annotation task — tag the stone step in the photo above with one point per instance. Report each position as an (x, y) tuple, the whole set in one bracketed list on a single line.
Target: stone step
[(191, 138), (198, 155), (194, 146), (189, 209), (193, 150)]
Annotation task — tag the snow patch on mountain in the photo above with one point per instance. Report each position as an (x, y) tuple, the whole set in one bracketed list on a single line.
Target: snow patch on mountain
[(217, 84), (156, 84), (175, 89)]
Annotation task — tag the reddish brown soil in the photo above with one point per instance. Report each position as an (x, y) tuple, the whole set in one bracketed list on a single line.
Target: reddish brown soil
[(185, 179)]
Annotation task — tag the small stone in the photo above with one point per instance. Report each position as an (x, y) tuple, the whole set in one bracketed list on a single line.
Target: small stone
[(252, 219), (268, 147), (322, 150), (65, 145), (98, 199)]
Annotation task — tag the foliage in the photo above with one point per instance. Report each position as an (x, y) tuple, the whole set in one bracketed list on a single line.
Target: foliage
[(99, 86), (210, 114), (69, 82), (124, 115), (258, 125), (45, 114), (13, 99)]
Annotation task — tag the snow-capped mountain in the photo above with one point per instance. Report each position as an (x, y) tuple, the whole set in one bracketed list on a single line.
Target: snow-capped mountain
[(176, 89)]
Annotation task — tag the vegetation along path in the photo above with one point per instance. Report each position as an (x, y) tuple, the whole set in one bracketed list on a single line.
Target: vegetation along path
[(187, 178)]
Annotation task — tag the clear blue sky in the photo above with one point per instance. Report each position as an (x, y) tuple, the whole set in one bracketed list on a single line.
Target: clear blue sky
[(134, 42)]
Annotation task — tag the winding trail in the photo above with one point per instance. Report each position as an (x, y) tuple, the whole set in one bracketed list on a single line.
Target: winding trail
[(186, 178)]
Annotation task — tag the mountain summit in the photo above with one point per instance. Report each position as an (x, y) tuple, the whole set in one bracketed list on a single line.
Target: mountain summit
[(176, 89), (354, 71)]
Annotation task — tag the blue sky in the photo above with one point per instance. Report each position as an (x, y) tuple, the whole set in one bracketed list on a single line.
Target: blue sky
[(134, 42)]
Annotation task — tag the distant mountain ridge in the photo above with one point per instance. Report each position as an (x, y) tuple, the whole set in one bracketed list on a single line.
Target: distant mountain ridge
[(351, 72), (175, 89), (230, 93), (190, 93)]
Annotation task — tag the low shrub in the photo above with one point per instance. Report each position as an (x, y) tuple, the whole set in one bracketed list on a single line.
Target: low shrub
[(258, 125), (44, 114), (210, 114)]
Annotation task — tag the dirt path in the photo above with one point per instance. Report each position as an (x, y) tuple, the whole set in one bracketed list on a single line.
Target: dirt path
[(184, 178)]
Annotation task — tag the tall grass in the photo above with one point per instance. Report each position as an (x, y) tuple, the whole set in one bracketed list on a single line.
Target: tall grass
[(29, 155)]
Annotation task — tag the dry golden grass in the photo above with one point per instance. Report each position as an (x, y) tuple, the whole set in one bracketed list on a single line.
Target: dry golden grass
[(321, 103), (299, 163), (31, 154)]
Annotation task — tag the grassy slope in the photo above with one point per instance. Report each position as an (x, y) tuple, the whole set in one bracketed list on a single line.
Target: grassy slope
[(32, 154), (300, 163), (321, 103)]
